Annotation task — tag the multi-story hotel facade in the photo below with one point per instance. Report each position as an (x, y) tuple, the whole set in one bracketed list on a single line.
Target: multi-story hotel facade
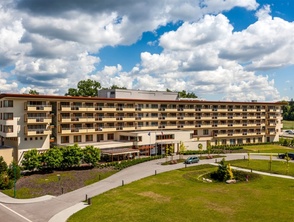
[(131, 122)]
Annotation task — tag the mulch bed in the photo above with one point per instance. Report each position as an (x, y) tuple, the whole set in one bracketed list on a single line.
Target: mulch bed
[(39, 184)]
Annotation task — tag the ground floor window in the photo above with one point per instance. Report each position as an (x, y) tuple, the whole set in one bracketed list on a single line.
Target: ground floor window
[(65, 139), (110, 136), (224, 142), (89, 138), (99, 137), (240, 141), (247, 140), (232, 141), (77, 139)]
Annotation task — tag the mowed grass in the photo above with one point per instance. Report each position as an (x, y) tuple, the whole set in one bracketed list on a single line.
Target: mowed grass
[(277, 167), (179, 196), (288, 124), (268, 148)]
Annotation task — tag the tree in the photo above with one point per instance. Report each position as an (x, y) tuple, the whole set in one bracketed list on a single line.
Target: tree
[(72, 156), (184, 94), (182, 149), (91, 155), (85, 88), (224, 172), (33, 92), (31, 160), (3, 165), (14, 171), (52, 158)]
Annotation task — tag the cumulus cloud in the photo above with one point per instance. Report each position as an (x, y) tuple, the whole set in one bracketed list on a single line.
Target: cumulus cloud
[(51, 45)]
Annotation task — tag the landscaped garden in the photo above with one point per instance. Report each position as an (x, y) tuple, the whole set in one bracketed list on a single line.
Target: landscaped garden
[(182, 195)]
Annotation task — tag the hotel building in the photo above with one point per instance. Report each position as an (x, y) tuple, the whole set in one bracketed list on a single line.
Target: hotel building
[(131, 122)]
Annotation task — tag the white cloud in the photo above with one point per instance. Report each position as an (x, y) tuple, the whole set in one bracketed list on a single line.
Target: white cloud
[(52, 46)]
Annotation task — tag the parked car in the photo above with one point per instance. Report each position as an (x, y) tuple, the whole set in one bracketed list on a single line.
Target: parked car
[(289, 131), (192, 159), (283, 155)]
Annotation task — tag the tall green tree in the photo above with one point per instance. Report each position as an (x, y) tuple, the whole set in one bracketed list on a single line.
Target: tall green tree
[(31, 160), (91, 155), (52, 158), (3, 165), (72, 156), (14, 170), (85, 88)]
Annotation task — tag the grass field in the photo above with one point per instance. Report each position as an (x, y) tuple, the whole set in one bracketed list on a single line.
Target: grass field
[(268, 148), (277, 167), (179, 196), (288, 124)]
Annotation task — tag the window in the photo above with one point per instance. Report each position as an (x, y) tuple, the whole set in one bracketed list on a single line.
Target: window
[(8, 103), (8, 116), (110, 136), (205, 132), (65, 139), (89, 138), (8, 129), (77, 139), (99, 137)]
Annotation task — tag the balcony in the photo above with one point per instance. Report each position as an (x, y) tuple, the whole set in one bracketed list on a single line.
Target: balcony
[(107, 119), (206, 118), (128, 118), (155, 118), (45, 108), (38, 120), (188, 126), (107, 109), (37, 132), (170, 118), (129, 128), (189, 118), (147, 127)]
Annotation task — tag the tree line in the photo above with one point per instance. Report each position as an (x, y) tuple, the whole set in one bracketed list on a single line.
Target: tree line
[(90, 87), (288, 111), (55, 158), (60, 158)]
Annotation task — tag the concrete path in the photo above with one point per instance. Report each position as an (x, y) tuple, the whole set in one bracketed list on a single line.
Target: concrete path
[(58, 209)]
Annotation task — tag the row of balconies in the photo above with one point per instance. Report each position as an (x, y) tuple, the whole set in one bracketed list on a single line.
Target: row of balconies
[(67, 119), (151, 109), (230, 134)]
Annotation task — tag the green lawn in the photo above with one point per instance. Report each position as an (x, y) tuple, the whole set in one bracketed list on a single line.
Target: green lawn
[(288, 124), (277, 167), (179, 196), (268, 148)]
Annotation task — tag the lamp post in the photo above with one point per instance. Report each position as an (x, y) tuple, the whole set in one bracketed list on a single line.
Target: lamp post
[(58, 176), (14, 182)]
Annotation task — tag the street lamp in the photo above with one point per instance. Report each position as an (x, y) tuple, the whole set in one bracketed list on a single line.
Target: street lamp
[(14, 182)]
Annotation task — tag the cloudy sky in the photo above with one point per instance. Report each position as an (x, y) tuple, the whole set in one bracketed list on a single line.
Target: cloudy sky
[(218, 49)]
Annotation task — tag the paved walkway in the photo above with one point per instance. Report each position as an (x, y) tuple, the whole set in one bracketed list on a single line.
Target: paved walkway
[(58, 209)]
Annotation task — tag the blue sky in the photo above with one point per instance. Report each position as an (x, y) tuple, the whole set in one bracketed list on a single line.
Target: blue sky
[(220, 50)]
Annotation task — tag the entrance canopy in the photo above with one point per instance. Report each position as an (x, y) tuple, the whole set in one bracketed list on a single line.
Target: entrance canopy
[(120, 154)]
